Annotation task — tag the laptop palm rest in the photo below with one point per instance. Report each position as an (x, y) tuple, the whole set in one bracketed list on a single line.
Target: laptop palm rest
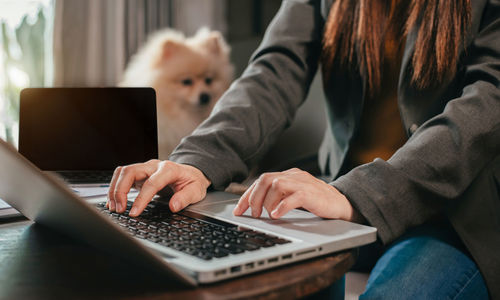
[(296, 224)]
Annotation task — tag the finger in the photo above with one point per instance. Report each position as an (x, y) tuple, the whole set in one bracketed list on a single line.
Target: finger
[(293, 201), (243, 204), (259, 192), (111, 192), (128, 175), (156, 182), (189, 194), (280, 188)]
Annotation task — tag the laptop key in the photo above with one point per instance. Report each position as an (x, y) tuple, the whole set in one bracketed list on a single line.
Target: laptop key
[(140, 235), (233, 249), (280, 241), (260, 242), (153, 239), (249, 247), (190, 251), (166, 243), (220, 252), (204, 255)]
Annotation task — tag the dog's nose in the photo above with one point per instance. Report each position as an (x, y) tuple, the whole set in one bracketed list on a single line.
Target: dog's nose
[(204, 99)]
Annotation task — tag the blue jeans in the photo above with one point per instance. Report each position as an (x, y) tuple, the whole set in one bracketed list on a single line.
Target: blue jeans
[(428, 262)]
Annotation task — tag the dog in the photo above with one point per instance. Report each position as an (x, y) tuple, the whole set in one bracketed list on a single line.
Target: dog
[(189, 76)]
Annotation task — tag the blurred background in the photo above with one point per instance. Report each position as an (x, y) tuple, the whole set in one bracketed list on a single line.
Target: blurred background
[(89, 43)]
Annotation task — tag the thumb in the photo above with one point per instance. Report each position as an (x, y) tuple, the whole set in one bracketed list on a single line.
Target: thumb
[(182, 198)]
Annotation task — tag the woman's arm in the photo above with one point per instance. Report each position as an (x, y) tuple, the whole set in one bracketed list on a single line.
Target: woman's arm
[(245, 121), (262, 103), (444, 155)]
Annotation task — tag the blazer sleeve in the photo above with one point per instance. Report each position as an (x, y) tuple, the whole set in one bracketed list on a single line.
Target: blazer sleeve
[(262, 102), (444, 155)]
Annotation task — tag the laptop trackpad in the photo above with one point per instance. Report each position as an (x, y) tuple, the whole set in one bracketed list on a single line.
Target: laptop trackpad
[(295, 224)]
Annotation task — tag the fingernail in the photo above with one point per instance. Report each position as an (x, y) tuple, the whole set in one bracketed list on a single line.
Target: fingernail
[(111, 206), (255, 214), (118, 207), (236, 210), (175, 206), (274, 213), (134, 211)]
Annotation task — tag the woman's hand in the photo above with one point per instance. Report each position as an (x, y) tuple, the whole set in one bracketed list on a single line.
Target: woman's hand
[(188, 184), (280, 192)]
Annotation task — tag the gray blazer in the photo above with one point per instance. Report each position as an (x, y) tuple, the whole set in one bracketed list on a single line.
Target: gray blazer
[(453, 130)]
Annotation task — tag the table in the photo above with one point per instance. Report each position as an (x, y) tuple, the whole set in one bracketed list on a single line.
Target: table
[(39, 263)]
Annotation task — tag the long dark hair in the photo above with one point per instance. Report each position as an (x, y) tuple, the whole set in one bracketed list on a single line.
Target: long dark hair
[(355, 32)]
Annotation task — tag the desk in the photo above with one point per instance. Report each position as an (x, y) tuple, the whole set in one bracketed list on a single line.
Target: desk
[(38, 263)]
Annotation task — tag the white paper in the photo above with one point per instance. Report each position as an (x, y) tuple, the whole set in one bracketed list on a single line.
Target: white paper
[(3, 204), (89, 190), (84, 191)]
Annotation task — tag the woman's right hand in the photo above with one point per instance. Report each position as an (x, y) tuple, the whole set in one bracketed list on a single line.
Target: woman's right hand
[(188, 184)]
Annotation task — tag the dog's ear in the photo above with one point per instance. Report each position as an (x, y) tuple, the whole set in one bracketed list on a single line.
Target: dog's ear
[(215, 43), (169, 49)]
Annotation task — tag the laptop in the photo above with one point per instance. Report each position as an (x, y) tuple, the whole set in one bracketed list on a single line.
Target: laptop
[(204, 243), (83, 134)]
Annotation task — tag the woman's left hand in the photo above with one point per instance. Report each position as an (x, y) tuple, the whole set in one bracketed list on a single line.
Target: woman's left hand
[(280, 192)]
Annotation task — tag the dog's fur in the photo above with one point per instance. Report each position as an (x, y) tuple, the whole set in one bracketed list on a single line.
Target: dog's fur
[(188, 74)]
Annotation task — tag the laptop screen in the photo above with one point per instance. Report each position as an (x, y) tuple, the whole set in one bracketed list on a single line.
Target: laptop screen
[(87, 128)]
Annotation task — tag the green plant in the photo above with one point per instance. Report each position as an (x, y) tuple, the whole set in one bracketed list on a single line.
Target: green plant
[(29, 39)]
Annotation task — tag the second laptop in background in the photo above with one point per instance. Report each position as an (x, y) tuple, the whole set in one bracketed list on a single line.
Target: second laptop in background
[(83, 134)]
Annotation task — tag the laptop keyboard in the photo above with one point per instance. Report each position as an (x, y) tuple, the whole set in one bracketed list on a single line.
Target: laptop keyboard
[(76, 177), (191, 233)]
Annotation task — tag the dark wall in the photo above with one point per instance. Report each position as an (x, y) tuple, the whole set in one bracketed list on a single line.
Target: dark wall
[(247, 21)]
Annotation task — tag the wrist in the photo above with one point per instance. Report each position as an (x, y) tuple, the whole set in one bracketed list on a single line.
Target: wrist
[(353, 215), (201, 177), (350, 213)]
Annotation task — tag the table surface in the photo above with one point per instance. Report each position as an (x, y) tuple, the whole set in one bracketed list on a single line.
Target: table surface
[(39, 263)]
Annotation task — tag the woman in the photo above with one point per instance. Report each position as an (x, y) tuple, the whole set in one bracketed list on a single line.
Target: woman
[(431, 68)]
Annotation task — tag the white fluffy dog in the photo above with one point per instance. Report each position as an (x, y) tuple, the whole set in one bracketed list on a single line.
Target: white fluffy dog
[(188, 74)]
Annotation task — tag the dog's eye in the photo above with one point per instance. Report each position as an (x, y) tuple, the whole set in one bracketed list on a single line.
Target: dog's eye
[(208, 80), (187, 81)]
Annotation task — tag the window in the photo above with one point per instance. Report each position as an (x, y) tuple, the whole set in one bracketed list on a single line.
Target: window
[(25, 56)]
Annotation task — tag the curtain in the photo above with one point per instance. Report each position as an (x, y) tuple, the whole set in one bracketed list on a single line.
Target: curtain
[(94, 39), (189, 15)]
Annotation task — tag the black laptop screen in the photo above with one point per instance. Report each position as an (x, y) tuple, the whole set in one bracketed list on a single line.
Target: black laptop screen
[(87, 128)]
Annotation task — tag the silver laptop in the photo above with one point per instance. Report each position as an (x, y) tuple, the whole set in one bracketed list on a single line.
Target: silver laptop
[(205, 243)]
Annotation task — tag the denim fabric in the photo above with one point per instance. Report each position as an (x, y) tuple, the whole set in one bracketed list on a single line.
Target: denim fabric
[(428, 262)]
